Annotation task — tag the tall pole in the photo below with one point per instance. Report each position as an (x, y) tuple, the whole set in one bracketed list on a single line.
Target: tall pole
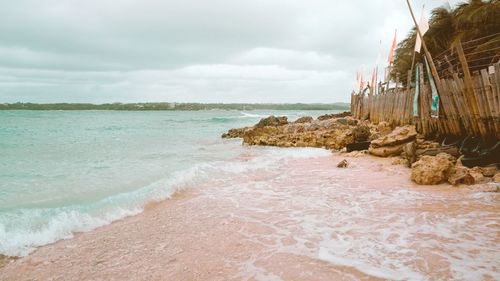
[(429, 57)]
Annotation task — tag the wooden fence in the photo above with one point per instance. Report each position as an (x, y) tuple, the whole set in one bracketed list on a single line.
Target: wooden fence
[(469, 105)]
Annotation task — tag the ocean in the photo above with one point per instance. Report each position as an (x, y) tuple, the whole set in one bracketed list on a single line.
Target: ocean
[(63, 172)]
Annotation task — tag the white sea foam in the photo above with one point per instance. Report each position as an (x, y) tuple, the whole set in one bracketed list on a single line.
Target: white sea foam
[(20, 235)]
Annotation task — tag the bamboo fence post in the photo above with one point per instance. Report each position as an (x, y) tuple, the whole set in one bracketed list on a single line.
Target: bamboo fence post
[(473, 105)]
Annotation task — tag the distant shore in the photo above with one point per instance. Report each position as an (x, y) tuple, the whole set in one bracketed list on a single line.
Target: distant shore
[(160, 106)]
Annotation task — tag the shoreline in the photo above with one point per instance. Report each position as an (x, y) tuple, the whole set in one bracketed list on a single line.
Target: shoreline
[(265, 228)]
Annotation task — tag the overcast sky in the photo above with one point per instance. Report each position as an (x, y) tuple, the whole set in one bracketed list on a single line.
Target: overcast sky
[(193, 50)]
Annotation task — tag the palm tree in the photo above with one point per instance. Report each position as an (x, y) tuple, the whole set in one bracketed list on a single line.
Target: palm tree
[(473, 20)]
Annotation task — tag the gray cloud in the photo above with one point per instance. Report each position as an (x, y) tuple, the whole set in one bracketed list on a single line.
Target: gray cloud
[(203, 51)]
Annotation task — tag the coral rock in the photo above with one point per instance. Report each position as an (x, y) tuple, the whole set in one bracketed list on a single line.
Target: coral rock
[(304, 119), (386, 151), (398, 136), (431, 169), (272, 121), (459, 175), (234, 133), (343, 164), (361, 133)]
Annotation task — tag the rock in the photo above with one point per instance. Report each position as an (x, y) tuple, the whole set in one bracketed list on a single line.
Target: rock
[(234, 133), (489, 171), (409, 150), (361, 133), (460, 175), (343, 164), (386, 151), (427, 144), (352, 122), (496, 177), (477, 174), (336, 115), (304, 119), (384, 128), (342, 121), (272, 121), (398, 136), (431, 170)]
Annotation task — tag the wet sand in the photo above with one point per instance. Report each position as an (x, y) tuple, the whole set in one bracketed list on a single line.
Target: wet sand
[(304, 220)]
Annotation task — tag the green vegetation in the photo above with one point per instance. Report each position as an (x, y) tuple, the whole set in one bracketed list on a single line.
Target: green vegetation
[(172, 106), (473, 20)]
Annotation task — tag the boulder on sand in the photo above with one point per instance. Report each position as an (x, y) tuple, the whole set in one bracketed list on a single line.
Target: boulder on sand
[(398, 136), (431, 170), (272, 121)]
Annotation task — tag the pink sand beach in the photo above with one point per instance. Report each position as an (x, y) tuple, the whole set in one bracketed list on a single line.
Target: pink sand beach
[(319, 222)]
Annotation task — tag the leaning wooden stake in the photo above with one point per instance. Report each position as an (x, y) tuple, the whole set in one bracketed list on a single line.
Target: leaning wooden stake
[(427, 53), (469, 89)]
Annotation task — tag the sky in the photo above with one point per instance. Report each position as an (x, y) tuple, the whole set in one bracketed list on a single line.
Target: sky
[(255, 51)]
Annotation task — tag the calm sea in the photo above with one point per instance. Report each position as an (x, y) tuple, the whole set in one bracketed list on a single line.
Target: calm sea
[(63, 172)]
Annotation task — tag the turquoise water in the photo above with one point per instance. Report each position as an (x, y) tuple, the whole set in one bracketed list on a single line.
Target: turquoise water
[(68, 171)]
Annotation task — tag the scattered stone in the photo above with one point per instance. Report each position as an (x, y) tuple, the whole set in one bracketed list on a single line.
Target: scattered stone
[(304, 119), (460, 175), (234, 133), (431, 170), (477, 174), (343, 164), (272, 121)]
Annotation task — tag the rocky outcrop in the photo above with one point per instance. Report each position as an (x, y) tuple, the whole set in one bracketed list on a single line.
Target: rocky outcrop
[(304, 119), (272, 121), (299, 135), (330, 133), (431, 170), (234, 133), (336, 115)]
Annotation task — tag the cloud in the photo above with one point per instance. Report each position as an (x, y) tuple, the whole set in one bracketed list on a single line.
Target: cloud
[(206, 51)]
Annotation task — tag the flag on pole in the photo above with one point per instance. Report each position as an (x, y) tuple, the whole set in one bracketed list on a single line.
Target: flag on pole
[(393, 47), (423, 25)]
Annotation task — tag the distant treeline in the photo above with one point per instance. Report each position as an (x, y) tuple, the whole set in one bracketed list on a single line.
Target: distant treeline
[(173, 106)]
